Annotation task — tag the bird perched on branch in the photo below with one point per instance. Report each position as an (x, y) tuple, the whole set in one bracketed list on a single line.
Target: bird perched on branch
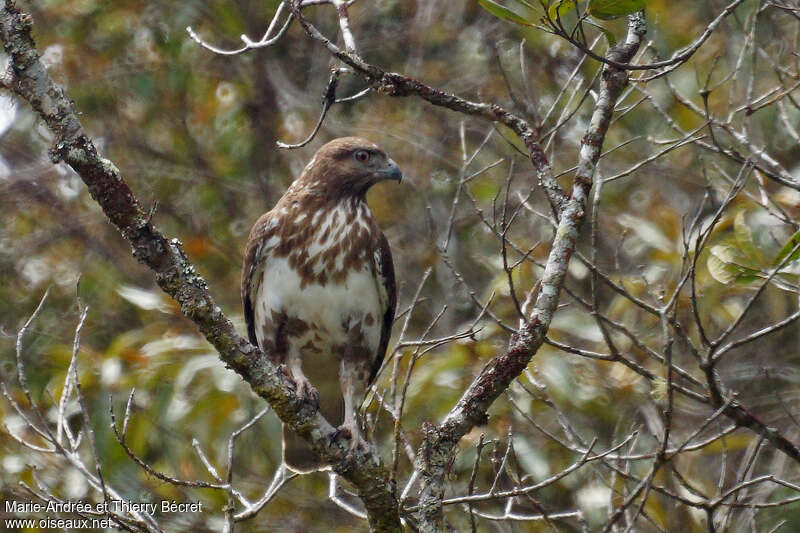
[(318, 285)]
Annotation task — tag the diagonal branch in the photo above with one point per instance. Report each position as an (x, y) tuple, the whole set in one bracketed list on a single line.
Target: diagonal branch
[(471, 409), (177, 276), (395, 84), (668, 65)]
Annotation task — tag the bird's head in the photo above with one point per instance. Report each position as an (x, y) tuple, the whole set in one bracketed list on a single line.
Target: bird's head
[(349, 166)]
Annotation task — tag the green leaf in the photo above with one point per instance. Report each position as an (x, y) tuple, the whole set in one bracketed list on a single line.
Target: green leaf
[(744, 239), (719, 267), (559, 8), (503, 12), (611, 9), (609, 36), (723, 265), (787, 249), (526, 4)]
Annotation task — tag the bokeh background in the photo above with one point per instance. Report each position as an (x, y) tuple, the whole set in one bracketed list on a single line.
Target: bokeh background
[(194, 135)]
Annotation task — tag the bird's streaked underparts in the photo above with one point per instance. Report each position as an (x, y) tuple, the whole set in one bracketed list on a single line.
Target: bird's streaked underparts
[(318, 285)]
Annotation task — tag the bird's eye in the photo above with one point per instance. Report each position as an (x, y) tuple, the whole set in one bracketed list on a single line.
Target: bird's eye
[(362, 156)]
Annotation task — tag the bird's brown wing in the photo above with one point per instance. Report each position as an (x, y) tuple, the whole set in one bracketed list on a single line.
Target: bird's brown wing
[(386, 286), (251, 269)]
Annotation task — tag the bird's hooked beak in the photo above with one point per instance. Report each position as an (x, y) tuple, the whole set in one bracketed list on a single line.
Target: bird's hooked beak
[(391, 171)]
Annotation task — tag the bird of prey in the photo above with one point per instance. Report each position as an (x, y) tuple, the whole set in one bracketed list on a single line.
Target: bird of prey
[(318, 285)]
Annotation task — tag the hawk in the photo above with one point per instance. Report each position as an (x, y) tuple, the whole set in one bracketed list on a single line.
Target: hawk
[(318, 285)]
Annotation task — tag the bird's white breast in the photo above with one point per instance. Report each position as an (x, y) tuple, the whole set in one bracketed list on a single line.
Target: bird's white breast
[(331, 308)]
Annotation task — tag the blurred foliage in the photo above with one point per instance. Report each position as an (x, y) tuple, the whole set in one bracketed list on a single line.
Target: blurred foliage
[(194, 135)]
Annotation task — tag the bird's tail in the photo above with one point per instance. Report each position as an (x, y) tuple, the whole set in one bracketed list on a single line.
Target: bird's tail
[(297, 453), (324, 375)]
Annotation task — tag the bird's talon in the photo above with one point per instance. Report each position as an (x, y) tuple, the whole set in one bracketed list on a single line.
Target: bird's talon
[(305, 390), (344, 432), (348, 433)]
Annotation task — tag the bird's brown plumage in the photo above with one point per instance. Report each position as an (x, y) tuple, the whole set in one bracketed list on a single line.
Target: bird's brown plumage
[(318, 283)]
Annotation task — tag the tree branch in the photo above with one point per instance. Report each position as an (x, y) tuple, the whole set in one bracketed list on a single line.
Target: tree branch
[(395, 84), (177, 276), (471, 409)]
